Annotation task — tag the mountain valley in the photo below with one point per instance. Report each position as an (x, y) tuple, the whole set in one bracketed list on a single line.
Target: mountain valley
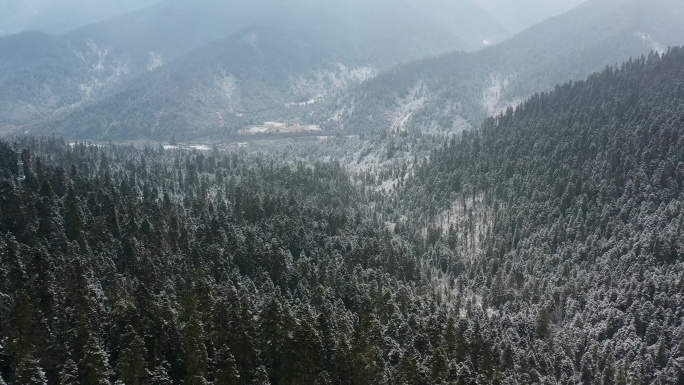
[(344, 193)]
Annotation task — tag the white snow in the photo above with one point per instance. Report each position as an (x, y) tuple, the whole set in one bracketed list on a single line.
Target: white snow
[(252, 40), (200, 147), (278, 127), (407, 106), (227, 86), (101, 55), (103, 72), (650, 41), (155, 61), (334, 80), (492, 94), (306, 103), (471, 219), (388, 186), (274, 124), (492, 97)]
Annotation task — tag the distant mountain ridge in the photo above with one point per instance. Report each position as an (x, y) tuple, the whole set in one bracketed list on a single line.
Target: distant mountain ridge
[(455, 91), (214, 87), (60, 16), (303, 62), (41, 75), (521, 14), (356, 35)]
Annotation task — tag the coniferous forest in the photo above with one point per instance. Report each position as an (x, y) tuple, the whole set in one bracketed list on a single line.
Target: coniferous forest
[(545, 247)]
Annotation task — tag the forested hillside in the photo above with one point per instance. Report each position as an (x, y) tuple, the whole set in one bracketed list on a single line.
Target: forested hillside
[(320, 70), (224, 86), (544, 248), (320, 46), (455, 91), (170, 267), (571, 205), (39, 74), (282, 55)]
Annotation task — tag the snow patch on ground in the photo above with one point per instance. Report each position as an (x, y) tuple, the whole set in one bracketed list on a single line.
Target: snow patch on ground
[(200, 147), (407, 106), (155, 61), (470, 218), (113, 75), (334, 80), (460, 124), (388, 186), (306, 103), (101, 56), (279, 128), (252, 40), (274, 124), (227, 87), (491, 97), (650, 41), (103, 71), (217, 99)]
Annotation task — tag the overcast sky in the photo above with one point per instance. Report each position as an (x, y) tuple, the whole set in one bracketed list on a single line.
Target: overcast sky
[(517, 15), (58, 16)]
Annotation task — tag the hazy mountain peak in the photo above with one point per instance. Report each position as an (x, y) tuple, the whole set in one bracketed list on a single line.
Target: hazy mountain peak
[(520, 14), (58, 16)]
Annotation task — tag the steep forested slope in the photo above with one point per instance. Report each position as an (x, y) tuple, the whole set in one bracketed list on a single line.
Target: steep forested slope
[(572, 206), (453, 91), (41, 74)]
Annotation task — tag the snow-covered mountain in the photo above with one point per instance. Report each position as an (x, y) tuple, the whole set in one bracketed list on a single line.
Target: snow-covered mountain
[(455, 91), (120, 54)]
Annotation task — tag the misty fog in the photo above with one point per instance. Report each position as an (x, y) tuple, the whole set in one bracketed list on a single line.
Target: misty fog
[(59, 16)]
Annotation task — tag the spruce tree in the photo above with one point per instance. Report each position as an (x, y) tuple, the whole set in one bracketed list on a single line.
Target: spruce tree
[(131, 366), (94, 366), (225, 369), (197, 359), (160, 375), (28, 371)]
